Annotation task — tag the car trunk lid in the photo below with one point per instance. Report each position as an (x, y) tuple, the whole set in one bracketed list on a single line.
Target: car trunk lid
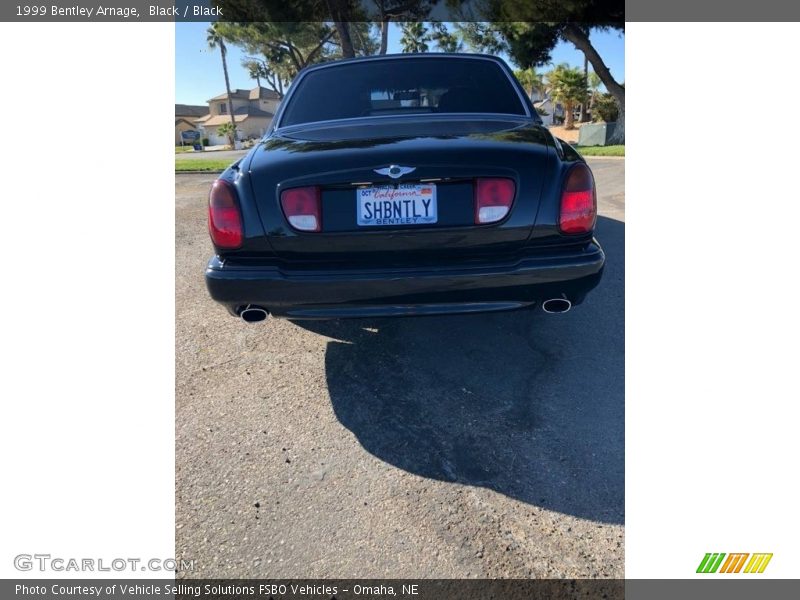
[(442, 156)]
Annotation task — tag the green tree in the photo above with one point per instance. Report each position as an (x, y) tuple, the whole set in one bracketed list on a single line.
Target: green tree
[(299, 44), (566, 85), (255, 69), (443, 38), (418, 34), (532, 81), (215, 40), (593, 84), (341, 13), (415, 37), (228, 130), (482, 37), (345, 18), (528, 30), (605, 109), (584, 113), (278, 50), (275, 73), (398, 10), (365, 42)]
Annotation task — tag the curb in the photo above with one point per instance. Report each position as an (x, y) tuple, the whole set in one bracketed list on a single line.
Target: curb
[(198, 172)]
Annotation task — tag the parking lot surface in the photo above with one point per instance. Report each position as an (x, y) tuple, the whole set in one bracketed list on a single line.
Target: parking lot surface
[(464, 446)]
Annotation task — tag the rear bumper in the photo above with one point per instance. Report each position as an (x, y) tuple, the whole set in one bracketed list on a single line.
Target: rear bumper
[(318, 294)]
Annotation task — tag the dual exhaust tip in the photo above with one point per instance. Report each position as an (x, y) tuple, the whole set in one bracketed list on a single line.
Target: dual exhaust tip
[(554, 306), (256, 314), (253, 314)]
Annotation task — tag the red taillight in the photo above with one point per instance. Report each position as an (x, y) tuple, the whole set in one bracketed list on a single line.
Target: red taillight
[(578, 201), (493, 199), (302, 208), (224, 217)]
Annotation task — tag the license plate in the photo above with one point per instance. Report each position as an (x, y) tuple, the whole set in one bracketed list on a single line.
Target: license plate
[(407, 204)]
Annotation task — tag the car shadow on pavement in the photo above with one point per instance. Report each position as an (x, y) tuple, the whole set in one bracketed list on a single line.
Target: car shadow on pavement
[(524, 403)]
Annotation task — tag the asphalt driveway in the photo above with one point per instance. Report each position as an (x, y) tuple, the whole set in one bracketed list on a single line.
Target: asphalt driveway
[(464, 446)]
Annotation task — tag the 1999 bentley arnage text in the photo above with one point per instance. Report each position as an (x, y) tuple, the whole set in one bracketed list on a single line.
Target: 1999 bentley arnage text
[(404, 185)]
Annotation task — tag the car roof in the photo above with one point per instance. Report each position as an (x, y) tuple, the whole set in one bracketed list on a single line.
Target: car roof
[(403, 56)]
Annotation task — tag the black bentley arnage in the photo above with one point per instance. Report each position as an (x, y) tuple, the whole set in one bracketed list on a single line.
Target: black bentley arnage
[(404, 185)]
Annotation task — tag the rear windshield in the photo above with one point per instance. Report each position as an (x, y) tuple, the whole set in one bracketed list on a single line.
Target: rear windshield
[(403, 86)]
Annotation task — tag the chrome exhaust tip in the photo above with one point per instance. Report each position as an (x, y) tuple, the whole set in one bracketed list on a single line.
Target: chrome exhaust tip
[(556, 305), (253, 314)]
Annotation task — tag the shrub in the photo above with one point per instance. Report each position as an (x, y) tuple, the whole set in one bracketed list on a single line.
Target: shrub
[(605, 109)]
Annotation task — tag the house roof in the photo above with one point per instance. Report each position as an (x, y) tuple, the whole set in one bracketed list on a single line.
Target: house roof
[(237, 93), (253, 112), (257, 93), (262, 93), (240, 114), (190, 110), (217, 120)]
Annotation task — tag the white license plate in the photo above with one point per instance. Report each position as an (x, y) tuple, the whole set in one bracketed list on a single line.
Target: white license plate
[(407, 204)]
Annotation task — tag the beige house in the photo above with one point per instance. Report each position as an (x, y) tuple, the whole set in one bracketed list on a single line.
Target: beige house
[(185, 117), (252, 111)]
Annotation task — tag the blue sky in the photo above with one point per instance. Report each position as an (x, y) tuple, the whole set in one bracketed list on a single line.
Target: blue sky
[(198, 70)]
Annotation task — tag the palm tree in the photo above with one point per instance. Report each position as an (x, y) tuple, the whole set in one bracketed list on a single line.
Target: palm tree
[(229, 131), (215, 40), (584, 114), (254, 69), (415, 36), (567, 85), (594, 87), (531, 81), (445, 40)]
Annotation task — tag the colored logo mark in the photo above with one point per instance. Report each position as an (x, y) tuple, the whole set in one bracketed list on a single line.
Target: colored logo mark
[(734, 563)]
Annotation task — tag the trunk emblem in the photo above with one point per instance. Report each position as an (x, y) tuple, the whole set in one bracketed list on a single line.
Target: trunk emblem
[(395, 171)]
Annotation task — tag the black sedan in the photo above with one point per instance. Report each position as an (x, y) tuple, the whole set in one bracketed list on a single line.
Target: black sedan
[(404, 185)]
